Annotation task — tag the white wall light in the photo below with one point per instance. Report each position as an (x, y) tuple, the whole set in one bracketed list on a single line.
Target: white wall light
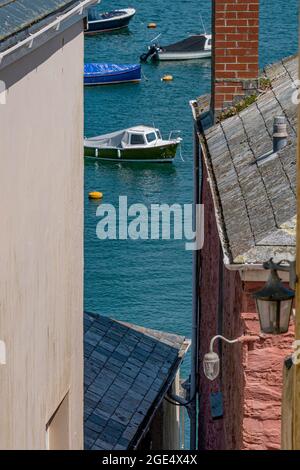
[(211, 361)]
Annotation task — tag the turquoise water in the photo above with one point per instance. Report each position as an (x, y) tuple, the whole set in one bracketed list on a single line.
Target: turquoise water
[(150, 282)]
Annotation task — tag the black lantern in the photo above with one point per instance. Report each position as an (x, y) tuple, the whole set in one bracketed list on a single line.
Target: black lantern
[(274, 302)]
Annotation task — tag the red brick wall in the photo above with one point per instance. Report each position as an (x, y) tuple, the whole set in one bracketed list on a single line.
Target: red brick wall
[(251, 373), (235, 49), (223, 433), (210, 432)]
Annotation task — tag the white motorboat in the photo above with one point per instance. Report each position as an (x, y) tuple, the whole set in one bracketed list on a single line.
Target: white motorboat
[(193, 47), (135, 144)]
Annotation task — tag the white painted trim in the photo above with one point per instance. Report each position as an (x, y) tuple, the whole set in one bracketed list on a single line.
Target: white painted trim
[(55, 24), (123, 160), (242, 267), (254, 272), (261, 275)]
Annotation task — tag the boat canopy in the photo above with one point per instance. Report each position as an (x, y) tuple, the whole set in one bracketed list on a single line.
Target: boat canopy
[(138, 135), (191, 44), (108, 69)]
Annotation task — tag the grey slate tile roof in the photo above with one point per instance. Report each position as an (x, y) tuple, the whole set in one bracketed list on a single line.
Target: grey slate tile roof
[(17, 16), (126, 371), (254, 198)]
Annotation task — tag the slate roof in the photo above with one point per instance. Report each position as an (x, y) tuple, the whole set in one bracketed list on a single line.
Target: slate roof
[(19, 17), (254, 197), (128, 370)]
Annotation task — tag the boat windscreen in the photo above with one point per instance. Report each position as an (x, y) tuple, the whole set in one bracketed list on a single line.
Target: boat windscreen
[(93, 14), (191, 44), (112, 14), (151, 137)]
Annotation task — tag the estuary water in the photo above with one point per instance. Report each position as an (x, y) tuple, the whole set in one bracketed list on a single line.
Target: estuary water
[(149, 282)]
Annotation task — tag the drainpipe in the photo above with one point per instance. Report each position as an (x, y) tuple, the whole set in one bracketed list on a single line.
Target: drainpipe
[(195, 304)]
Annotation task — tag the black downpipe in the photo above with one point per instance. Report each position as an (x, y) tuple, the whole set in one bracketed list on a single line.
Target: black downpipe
[(198, 186)]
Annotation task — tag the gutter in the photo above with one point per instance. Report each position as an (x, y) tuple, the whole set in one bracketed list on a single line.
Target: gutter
[(242, 267), (52, 27)]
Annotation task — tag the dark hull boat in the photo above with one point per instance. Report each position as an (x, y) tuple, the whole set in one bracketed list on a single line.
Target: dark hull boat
[(194, 47), (135, 144), (109, 74), (110, 21)]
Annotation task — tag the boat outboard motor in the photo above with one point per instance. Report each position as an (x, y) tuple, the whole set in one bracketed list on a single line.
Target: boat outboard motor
[(152, 53)]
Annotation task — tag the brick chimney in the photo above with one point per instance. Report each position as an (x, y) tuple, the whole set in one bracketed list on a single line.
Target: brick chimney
[(235, 32)]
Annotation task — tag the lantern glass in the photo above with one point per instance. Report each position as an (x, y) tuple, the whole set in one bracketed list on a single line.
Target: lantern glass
[(211, 365), (274, 315)]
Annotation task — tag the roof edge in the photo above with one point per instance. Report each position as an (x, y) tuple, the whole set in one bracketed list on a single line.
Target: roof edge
[(52, 25)]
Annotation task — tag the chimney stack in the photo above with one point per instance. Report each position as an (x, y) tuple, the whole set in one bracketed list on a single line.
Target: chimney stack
[(235, 32), (280, 134)]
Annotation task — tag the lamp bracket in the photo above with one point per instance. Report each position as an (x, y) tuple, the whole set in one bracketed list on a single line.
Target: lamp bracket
[(286, 266)]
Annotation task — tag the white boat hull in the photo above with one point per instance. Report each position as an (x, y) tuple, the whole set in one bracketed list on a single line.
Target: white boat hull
[(184, 55)]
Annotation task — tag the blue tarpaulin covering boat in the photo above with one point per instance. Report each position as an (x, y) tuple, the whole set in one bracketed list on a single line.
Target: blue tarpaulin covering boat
[(106, 74)]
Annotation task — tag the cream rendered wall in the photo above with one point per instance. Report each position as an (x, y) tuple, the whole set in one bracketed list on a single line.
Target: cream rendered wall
[(165, 429), (41, 241), (171, 421)]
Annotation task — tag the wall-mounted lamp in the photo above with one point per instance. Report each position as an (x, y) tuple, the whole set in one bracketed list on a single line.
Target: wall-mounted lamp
[(211, 361), (274, 302)]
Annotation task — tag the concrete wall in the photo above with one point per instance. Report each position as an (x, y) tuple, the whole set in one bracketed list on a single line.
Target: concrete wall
[(41, 181), (251, 373)]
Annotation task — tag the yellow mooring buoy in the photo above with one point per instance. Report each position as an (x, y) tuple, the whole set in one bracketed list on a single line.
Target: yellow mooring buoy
[(167, 78), (95, 195), (152, 25)]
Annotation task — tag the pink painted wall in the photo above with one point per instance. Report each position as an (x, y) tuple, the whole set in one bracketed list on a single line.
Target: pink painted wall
[(263, 365), (251, 373)]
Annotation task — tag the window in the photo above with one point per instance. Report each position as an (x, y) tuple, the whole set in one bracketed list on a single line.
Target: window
[(158, 133), (151, 137), (137, 139), (57, 429), (209, 42)]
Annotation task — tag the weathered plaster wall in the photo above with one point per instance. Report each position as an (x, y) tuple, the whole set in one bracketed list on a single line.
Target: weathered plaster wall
[(41, 181), (251, 373)]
